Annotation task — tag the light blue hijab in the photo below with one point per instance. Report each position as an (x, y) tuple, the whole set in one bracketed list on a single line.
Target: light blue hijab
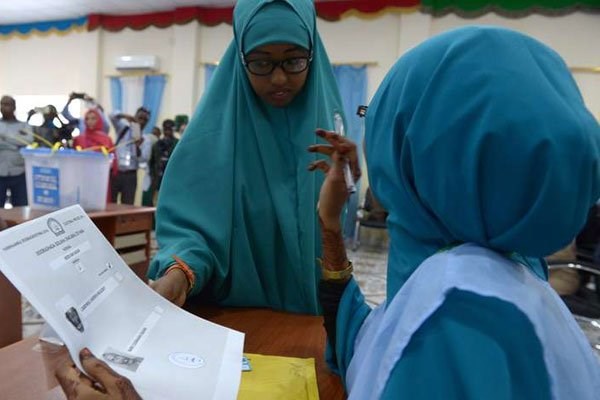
[(480, 135), (237, 203)]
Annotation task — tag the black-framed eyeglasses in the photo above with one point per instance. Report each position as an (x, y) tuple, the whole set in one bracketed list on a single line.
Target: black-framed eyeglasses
[(293, 65)]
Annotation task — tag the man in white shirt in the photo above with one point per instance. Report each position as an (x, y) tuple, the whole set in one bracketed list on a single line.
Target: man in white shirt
[(128, 152), (14, 135), (148, 185)]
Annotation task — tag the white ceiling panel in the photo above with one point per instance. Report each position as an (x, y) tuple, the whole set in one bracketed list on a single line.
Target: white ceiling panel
[(24, 11)]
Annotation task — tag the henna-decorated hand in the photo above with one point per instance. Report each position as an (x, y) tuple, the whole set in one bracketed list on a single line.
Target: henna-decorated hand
[(334, 192), (102, 384)]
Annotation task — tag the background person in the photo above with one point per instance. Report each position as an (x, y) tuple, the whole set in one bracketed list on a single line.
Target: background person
[(128, 153), (14, 135)]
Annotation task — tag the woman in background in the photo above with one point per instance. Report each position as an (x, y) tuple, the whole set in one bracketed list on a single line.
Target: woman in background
[(95, 138)]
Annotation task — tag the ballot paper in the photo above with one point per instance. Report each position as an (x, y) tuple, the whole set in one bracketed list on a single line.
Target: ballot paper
[(71, 274)]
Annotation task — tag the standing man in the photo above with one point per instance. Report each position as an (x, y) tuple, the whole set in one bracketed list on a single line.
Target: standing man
[(14, 135), (161, 152), (181, 122), (129, 154), (148, 184)]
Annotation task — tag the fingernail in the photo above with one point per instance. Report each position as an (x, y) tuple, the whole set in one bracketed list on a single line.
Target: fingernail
[(85, 352)]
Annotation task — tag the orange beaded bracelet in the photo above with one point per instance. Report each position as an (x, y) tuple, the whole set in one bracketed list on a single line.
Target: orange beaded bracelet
[(183, 267)]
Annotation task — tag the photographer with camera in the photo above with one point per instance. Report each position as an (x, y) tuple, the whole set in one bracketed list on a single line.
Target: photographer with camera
[(52, 130), (89, 104), (129, 130)]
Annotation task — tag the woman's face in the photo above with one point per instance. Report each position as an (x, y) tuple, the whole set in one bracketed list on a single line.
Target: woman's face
[(91, 120), (279, 88)]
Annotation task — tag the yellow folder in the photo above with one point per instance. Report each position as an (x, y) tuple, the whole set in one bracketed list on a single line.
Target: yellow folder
[(274, 378)]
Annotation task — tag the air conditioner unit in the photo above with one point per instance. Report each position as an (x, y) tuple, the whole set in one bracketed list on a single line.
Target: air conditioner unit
[(137, 62)]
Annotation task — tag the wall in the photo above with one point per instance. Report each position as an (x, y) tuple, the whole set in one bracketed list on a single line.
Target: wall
[(212, 43), (575, 37), (159, 42), (50, 65), (83, 61)]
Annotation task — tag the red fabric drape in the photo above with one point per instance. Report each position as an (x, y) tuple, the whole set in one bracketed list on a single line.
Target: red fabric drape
[(330, 10), (334, 10), (183, 15)]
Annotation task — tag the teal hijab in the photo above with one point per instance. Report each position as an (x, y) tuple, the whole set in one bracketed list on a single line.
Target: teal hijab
[(237, 203), (491, 143)]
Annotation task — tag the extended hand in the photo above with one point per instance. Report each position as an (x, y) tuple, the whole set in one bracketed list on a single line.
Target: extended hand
[(172, 286), (105, 384), (334, 191)]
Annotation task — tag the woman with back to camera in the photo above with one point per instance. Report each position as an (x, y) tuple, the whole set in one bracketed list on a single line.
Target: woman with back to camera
[(481, 149)]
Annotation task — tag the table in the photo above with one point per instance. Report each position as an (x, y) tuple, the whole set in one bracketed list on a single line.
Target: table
[(126, 227), (27, 367)]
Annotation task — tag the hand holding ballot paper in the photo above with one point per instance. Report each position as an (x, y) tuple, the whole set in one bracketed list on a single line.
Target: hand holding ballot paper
[(80, 387), (77, 281)]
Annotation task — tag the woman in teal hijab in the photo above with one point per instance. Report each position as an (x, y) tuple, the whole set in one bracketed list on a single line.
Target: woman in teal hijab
[(236, 211), (481, 149)]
